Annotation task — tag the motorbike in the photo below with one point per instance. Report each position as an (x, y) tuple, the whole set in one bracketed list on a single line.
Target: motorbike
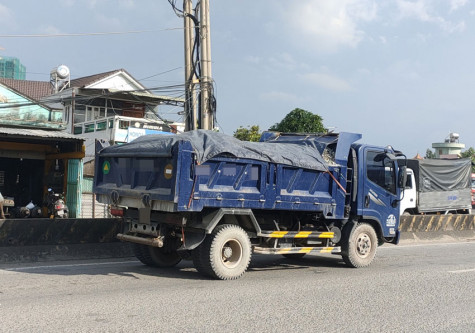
[(35, 211), (56, 206)]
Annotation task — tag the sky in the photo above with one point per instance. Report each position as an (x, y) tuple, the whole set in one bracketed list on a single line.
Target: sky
[(400, 72)]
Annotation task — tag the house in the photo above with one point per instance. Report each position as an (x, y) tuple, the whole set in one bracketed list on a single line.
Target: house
[(113, 107), (35, 151), (110, 106)]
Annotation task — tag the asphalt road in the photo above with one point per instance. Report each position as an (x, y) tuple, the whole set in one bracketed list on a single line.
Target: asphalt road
[(411, 288)]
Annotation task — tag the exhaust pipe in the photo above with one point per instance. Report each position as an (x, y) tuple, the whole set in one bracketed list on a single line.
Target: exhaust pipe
[(155, 242)]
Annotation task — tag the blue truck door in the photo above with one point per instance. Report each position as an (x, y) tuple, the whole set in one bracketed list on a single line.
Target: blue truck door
[(380, 191)]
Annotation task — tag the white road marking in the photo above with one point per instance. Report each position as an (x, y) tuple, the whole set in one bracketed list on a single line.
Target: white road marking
[(463, 271), (71, 265), (388, 246)]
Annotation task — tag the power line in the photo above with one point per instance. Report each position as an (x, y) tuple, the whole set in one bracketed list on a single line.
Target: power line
[(170, 70), (86, 33)]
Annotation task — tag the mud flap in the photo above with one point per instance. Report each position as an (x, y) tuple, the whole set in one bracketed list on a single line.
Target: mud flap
[(345, 236), (192, 239), (396, 239)]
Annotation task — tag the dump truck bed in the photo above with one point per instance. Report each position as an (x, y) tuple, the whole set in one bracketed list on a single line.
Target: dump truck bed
[(199, 169)]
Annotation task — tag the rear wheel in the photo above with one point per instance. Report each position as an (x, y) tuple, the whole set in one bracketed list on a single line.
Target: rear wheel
[(156, 256), (360, 248), (224, 254)]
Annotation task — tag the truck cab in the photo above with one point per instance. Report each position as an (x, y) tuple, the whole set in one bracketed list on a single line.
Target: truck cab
[(378, 190), (409, 200)]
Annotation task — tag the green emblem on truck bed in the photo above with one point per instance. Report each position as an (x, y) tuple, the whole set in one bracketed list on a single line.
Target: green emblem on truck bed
[(106, 166)]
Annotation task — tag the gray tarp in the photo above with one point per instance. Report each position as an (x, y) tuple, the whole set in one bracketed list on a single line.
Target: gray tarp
[(208, 144), (441, 175)]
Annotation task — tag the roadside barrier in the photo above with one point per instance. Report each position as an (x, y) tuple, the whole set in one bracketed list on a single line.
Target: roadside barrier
[(428, 223)]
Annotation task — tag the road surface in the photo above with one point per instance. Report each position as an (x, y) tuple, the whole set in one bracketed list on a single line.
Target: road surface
[(411, 288)]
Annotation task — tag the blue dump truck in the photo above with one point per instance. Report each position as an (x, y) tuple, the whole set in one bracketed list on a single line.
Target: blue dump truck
[(209, 197)]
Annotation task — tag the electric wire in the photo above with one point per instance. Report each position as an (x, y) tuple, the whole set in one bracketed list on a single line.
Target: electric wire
[(176, 90), (83, 34)]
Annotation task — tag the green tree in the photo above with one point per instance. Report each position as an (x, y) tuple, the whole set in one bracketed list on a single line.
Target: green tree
[(470, 153), (300, 121), (430, 153), (251, 133)]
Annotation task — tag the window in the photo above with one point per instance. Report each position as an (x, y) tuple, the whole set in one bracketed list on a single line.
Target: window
[(88, 128), (123, 124), (79, 114), (57, 116), (78, 129), (67, 110), (95, 112), (101, 125), (380, 170), (408, 182)]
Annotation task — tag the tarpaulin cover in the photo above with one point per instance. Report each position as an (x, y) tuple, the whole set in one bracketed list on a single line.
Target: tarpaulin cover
[(208, 144), (441, 175)]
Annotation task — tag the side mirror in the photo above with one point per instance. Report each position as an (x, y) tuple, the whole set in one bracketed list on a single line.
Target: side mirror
[(402, 177)]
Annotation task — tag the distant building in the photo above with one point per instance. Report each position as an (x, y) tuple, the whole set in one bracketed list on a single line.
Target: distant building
[(11, 68), (451, 148)]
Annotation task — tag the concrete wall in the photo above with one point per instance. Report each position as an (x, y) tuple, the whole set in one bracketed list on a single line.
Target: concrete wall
[(30, 231), (428, 223)]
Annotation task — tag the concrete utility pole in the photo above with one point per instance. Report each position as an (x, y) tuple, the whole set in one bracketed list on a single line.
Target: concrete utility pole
[(198, 115), (190, 77), (206, 81)]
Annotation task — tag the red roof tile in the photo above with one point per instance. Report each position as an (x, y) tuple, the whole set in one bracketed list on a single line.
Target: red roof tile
[(31, 89)]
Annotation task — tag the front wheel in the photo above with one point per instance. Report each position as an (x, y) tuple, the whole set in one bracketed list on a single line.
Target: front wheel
[(359, 249), (224, 254)]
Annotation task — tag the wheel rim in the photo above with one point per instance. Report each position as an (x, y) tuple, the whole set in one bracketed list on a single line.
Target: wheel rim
[(231, 253), (363, 245)]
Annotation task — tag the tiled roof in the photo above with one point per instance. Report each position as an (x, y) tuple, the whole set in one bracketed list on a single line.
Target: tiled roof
[(87, 80), (31, 89), (37, 89)]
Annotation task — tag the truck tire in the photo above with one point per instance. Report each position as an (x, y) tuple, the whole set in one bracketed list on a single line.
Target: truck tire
[(224, 254), (156, 256), (359, 249)]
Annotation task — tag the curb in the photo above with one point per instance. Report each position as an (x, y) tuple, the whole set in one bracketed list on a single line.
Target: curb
[(47, 253), (437, 236)]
